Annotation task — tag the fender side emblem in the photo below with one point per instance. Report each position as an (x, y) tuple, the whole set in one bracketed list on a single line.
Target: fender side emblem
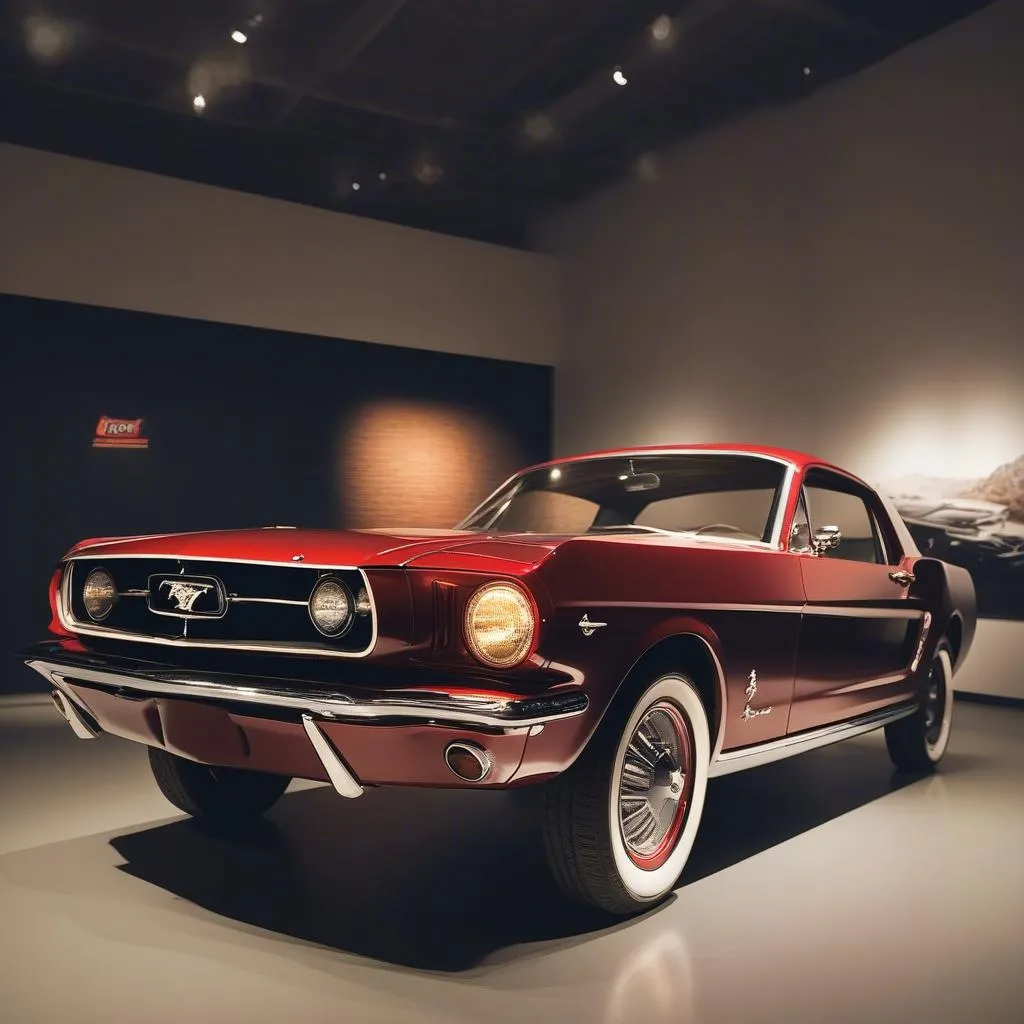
[(751, 692), (588, 628)]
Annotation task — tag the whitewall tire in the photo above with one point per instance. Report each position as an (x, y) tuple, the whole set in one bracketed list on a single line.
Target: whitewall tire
[(620, 824), (918, 742)]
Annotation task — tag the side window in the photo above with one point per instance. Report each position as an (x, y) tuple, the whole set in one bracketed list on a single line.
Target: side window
[(828, 507)]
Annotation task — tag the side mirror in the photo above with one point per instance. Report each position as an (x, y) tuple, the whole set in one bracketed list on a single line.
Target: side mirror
[(826, 538)]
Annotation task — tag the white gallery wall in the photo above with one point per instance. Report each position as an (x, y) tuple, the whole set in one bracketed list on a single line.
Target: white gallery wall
[(81, 231), (844, 275)]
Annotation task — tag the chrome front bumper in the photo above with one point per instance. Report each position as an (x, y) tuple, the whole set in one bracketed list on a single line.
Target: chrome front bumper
[(315, 704)]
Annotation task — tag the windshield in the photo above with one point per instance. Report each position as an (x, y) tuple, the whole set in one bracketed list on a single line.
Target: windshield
[(725, 495)]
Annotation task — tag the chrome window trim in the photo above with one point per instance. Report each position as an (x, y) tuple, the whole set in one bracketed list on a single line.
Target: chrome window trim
[(866, 493), (73, 625), (431, 706)]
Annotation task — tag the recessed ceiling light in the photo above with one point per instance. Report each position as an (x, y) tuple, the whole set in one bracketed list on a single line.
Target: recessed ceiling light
[(356, 186), (618, 77), (807, 71), (661, 29), (239, 37), (199, 102), (539, 128), (48, 39), (647, 167), (383, 176), (427, 172)]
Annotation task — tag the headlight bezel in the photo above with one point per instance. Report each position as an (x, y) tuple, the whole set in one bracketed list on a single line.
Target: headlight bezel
[(350, 600), (93, 573), (529, 605)]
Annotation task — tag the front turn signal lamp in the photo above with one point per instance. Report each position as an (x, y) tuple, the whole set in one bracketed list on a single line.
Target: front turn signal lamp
[(500, 625)]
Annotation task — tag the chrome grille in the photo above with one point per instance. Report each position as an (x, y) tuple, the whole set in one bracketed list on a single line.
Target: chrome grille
[(266, 605)]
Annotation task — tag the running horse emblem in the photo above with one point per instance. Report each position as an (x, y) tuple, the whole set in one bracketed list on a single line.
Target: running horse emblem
[(184, 594)]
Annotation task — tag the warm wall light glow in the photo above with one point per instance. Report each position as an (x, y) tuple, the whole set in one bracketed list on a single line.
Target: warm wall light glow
[(407, 463), (962, 441)]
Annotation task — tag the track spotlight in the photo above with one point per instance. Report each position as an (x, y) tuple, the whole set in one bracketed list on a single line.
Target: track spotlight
[(238, 36), (618, 77)]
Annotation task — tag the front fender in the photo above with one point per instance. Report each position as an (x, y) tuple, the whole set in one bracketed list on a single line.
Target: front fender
[(603, 664)]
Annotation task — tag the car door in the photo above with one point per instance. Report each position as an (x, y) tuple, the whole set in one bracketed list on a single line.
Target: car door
[(860, 624)]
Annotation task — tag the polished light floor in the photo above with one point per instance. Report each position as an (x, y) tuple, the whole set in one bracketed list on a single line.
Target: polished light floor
[(822, 889)]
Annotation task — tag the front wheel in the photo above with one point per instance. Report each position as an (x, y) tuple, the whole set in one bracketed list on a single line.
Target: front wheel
[(215, 794), (620, 823), (917, 742)]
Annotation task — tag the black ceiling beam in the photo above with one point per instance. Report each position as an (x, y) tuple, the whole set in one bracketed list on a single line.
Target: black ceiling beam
[(821, 12), (339, 49)]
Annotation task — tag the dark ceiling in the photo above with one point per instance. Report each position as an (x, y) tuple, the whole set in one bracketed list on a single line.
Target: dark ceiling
[(463, 116)]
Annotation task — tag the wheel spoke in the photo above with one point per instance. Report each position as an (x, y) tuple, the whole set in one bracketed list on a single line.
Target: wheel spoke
[(644, 751), (652, 782), (640, 825), (635, 776)]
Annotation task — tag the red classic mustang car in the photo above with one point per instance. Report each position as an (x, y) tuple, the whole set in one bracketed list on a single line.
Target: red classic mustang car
[(616, 627)]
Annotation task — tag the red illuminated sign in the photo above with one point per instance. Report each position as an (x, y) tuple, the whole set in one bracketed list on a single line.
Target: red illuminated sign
[(115, 433)]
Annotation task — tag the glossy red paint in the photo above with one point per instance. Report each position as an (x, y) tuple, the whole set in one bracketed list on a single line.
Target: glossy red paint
[(819, 639), (378, 755)]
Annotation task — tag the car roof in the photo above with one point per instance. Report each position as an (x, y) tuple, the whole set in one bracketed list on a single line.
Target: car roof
[(799, 460)]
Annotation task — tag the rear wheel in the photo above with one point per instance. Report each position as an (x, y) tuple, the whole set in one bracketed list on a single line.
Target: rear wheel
[(619, 824), (917, 742), (215, 794)]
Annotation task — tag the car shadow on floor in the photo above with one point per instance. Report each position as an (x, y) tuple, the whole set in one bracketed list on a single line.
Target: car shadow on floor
[(439, 880)]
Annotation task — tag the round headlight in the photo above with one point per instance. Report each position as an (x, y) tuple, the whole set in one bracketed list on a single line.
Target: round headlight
[(500, 625), (99, 594), (330, 607)]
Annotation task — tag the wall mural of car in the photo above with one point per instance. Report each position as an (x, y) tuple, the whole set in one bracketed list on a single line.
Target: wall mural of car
[(616, 628), (976, 524)]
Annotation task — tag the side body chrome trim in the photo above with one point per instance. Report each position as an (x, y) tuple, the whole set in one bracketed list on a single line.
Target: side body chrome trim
[(70, 623), (458, 708), (342, 779), (799, 743)]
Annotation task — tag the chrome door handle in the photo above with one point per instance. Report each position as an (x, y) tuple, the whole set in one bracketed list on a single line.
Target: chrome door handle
[(902, 577)]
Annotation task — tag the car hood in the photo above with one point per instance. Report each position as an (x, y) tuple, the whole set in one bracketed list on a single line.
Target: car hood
[(449, 549)]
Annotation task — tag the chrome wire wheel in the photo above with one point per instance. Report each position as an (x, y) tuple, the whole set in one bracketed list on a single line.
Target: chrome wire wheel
[(656, 788), (655, 785)]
